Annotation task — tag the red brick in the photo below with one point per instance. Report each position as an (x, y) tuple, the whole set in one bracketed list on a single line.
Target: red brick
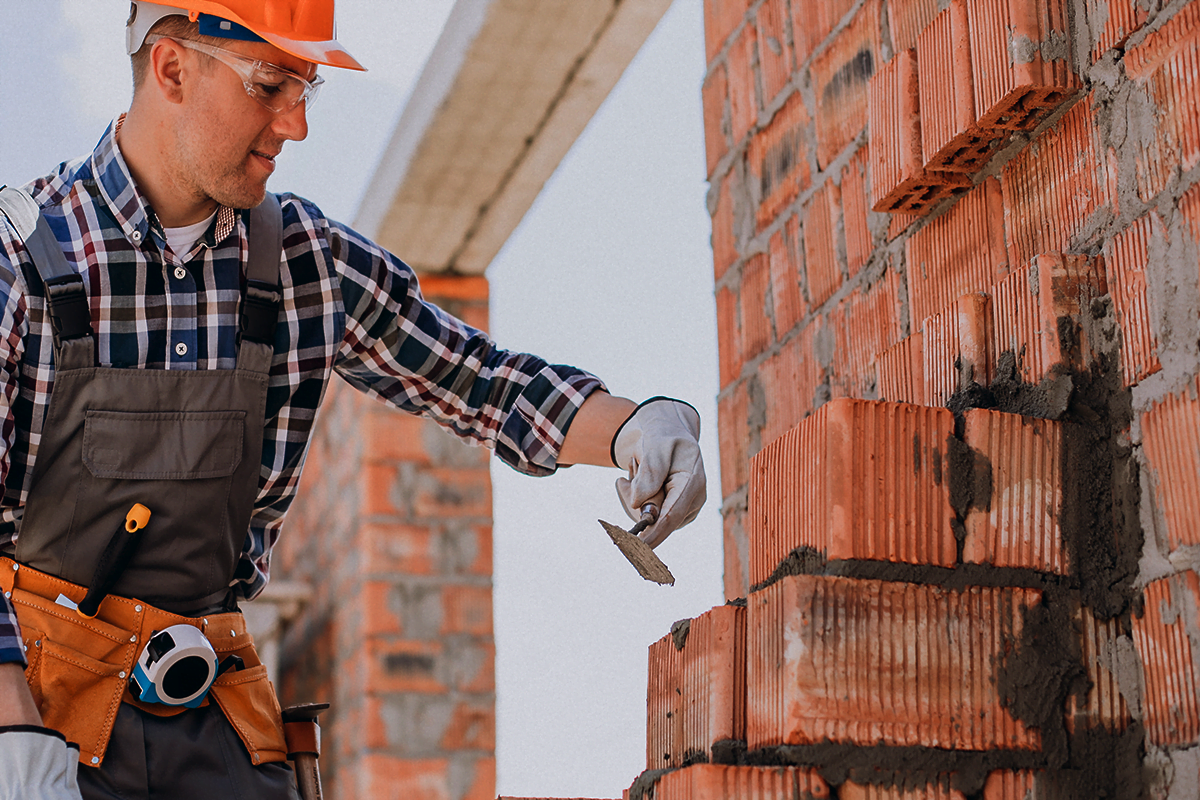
[(1126, 261), (1104, 708), (467, 609), (1171, 89), (840, 74), (1018, 526), (724, 240), (789, 380), (774, 53), (407, 549), (784, 255), (1015, 86), (939, 353), (1054, 188), (864, 324), (853, 194), (472, 727), (1161, 635), (734, 435), (1189, 212), (483, 787), (1171, 443), (1121, 19), (717, 782), (721, 18), (901, 372), (447, 492), (379, 481), (822, 269), (933, 791), (716, 97), (813, 22), (899, 180), (1180, 31), (1010, 785), (743, 95), (960, 252), (951, 139), (974, 339), (868, 662), (736, 577), (391, 435), (756, 323), (729, 336), (454, 287), (696, 695), (900, 223), (858, 479), (377, 614), (907, 19), (384, 777), (1067, 286), (778, 160), (403, 666)]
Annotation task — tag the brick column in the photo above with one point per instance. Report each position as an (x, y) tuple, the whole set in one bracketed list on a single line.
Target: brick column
[(392, 527)]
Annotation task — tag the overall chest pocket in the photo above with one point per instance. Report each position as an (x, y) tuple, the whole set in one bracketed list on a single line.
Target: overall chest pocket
[(128, 445)]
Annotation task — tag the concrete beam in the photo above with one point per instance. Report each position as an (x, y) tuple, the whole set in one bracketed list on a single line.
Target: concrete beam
[(508, 88)]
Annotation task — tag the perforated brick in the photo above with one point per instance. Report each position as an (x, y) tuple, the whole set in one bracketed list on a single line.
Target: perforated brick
[(778, 160), (858, 479), (1160, 633), (774, 52), (823, 271), (696, 694), (869, 662), (1121, 18), (1104, 708), (840, 73), (1020, 61), (951, 139), (1171, 442), (1126, 260), (716, 782), (901, 372)]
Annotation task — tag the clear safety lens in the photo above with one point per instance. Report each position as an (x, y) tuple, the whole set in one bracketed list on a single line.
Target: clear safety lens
[(277, 88)]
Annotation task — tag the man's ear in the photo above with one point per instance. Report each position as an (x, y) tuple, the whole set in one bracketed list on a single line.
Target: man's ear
[(167, 69)]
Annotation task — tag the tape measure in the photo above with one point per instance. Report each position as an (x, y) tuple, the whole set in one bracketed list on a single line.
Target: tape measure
[(176, 668)]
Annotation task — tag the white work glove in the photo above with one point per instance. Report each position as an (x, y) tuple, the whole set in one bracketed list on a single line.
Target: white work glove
[(659, 445), (37, 764)]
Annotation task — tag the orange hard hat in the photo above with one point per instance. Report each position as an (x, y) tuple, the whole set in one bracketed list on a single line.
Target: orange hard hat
[(302, 28)]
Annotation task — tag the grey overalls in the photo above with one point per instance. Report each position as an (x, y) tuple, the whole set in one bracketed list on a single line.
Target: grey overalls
[(187, 445)]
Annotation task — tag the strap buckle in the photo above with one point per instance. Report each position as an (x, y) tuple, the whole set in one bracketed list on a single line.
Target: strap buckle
[(70, 314), (260, 311)]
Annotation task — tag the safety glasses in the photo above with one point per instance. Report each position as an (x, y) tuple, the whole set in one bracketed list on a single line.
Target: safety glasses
[(277, 88)]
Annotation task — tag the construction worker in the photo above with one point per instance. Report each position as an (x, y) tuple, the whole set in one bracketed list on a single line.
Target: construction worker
[(168, 328)]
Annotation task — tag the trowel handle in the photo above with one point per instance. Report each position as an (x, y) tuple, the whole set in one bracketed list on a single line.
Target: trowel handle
[(649, 514)]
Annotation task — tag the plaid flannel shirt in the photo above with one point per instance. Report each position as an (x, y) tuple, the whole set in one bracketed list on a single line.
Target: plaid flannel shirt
[(348, 307)]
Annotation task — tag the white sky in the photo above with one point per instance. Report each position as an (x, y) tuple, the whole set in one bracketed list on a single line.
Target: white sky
[(611, 270)]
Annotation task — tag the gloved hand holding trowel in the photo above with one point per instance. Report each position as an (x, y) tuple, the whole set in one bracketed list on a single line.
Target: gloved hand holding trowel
[(658, 445)]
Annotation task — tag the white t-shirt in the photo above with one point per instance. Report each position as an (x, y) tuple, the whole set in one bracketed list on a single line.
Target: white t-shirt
[(181, 240)]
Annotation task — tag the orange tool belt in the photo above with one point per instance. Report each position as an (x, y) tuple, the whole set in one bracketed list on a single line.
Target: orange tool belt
[(79, 668)]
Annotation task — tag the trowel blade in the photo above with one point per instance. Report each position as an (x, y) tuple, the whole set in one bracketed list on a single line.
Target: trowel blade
[(648, 565)]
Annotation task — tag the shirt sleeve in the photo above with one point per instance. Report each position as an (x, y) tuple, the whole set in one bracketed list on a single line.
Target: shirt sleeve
[(414, 355), (11, 649)]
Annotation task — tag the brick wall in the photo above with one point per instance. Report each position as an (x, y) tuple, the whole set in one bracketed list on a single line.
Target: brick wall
[(956, 260), (392, 526)]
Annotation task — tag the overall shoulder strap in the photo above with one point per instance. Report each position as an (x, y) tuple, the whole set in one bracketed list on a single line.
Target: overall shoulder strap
[(70, 315), (260, 305)]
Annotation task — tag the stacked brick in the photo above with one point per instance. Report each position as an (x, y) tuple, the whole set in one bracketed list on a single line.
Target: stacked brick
[(960, 392), (394, 527)]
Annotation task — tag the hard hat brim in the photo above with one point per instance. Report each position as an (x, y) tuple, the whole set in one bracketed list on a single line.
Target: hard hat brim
[(329, 53)]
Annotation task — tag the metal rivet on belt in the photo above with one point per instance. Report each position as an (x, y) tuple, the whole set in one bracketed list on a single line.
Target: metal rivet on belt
[(8, 595), (133, 639), (16, 567), (233, 633), (38, 643), (121, 674), (256, 758), (137, 609), (95, 760)]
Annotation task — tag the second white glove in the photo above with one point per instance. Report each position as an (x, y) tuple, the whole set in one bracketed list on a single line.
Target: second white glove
[(659, 447), (37, 764)]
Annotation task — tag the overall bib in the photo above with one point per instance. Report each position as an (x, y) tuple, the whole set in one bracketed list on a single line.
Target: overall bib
[(188, 446)]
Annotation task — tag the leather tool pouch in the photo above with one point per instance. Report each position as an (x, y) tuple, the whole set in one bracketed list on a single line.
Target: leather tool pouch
[(79, 668)]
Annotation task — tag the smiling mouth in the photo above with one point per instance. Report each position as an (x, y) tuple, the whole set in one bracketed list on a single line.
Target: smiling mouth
[(268, 158)]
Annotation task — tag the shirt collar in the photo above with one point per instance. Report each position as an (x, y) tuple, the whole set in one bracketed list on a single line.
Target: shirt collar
[(128, 208)]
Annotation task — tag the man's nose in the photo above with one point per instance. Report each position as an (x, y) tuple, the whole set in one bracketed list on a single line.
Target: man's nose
[(292, 124)]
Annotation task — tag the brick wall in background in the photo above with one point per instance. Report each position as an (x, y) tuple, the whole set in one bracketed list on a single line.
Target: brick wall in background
[(395, 518), (988, 207)]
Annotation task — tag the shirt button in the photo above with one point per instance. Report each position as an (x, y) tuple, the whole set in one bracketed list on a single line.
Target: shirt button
[(181, 349), (180, 273), (137, 236)]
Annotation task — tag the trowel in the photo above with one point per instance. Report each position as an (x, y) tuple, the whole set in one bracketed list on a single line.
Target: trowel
[(648, 565)]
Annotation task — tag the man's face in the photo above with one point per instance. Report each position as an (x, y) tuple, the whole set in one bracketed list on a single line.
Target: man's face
[(227, 141)]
